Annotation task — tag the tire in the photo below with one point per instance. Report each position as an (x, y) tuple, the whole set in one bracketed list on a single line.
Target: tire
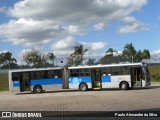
[(124, 86), (83, 87), (37, 89)]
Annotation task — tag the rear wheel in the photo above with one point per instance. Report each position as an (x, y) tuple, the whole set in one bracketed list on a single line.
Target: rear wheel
[(124, 86), (37, 89), (83, 87)]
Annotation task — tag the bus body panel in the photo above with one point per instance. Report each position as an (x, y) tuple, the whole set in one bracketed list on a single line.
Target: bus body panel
[(143, 83), (114, 81), (47, 84), (15, 86), (74, 82)]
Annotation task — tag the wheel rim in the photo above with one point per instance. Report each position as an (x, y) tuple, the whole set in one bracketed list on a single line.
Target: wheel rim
[(38, 90), (123, 86), (83, 87)]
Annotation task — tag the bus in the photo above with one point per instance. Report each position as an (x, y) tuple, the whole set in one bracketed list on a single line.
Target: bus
[(95, 77), (37, 80)]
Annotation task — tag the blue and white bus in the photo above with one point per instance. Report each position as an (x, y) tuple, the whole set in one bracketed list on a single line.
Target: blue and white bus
[(97, 77), (94, 77), (37, 80)]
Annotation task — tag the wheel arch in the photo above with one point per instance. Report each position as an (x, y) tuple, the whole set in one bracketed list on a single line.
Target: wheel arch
[(38, 86), (82, 83), (122, 82)]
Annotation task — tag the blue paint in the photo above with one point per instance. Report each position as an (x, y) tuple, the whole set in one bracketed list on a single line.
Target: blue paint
[(77, 80), (106, 78), (41, 82), (16, 84), (46, 81)]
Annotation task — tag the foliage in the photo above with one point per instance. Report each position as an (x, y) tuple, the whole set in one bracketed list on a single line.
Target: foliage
[(91, 61), (110, 59), (156, 77), (131, 55), (76, 58), (51, 57), (36, 59), (7, 61), (129, 52), (4, 82), (109, 52)]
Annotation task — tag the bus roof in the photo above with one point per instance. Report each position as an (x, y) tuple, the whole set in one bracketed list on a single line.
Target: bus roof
[(108, 65), (34, 69)]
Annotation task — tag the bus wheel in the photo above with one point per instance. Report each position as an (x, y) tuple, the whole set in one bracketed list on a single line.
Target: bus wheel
[(37, 89), (83, 87), (124, 86)]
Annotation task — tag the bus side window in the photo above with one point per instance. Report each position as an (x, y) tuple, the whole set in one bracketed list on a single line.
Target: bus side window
[(50, 74), (15, 76), (39, 74), (108, 71), (74, 73), (55, 74), (32, 75), (45, 74)]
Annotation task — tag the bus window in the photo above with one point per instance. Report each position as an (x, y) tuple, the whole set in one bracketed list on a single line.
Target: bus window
[(15, 76), (50, 74), (74, 73), (125, 70), (57, 74), (84, 72), (39, 74), (32, 75)]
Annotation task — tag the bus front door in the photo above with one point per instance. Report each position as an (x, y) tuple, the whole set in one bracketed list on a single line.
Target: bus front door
[(24, 82), (136, 77), (96, 78)]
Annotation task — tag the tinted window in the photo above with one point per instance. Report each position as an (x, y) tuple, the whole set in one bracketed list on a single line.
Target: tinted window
[(121, 70), (79, 72), (15, 76)]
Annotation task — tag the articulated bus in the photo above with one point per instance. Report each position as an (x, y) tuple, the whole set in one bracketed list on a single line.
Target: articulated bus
[(94, 77)]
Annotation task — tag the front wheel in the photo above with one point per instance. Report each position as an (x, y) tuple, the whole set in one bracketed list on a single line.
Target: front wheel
[(124, 86), (83, 87), (37, 89)]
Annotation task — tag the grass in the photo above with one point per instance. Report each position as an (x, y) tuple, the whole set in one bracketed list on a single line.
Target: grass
[(4, 85), (154, 70)]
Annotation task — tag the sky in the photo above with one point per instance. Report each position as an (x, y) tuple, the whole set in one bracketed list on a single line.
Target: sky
[(59, 25)]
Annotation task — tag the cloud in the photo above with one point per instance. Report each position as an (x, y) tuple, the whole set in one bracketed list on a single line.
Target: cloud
[(132, 28), (75, 10), (99, 26), (37, 22), (4, 51), (64, 47), (155, 56), (74, 30), (31, 32), (156, 52)]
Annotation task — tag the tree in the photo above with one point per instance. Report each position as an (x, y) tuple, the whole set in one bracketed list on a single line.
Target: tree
[(129, 52), (139, 56), (33, 57), (110, 59), (76, 58), (7, 60), (110, 52), (51, 57), (146, 54), (91, 61)]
